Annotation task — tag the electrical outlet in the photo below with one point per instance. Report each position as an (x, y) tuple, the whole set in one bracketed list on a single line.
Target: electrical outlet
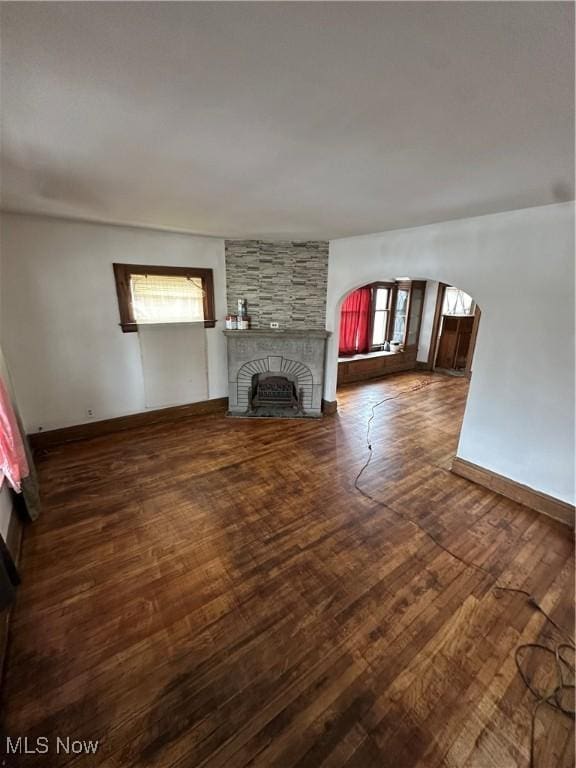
[(274, 325), (90, 413)]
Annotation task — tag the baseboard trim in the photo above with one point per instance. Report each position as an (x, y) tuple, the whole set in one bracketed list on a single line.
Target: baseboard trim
[(329, 407), (523, 494), (43, 440)]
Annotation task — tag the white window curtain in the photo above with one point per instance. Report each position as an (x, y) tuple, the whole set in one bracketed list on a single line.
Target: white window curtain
[(165, 299)]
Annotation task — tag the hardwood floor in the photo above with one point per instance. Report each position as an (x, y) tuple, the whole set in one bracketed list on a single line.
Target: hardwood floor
[(216, 593)]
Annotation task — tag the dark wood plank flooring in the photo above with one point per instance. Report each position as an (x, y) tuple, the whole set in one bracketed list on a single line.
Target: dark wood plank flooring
[(216, 593)]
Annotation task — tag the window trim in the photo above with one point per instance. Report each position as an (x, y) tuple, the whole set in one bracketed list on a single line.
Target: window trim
[(122, 273)]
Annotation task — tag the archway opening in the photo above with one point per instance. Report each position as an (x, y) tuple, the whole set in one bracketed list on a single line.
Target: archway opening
[(405, 324)]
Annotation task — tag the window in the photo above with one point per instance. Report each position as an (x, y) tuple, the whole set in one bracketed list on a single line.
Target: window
[(381, 301), (381, 312), (400, 314), (148, 295), (456, 302), (416, 306)]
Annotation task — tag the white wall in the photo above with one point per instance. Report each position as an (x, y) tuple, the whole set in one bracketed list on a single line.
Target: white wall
[(59, 315), (519, 267)]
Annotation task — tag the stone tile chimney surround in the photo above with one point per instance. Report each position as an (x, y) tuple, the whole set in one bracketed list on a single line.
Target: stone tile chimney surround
[(283, 281), (297, 355)]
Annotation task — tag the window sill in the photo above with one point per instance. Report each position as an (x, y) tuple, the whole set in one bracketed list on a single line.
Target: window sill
[(133, 327)]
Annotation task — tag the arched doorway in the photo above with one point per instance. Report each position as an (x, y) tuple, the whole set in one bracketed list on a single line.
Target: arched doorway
[(403, 324)]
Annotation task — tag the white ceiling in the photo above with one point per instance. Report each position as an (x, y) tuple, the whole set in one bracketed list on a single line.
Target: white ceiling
[(286, 119)]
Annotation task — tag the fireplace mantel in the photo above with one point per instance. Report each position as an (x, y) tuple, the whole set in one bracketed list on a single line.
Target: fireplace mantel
[(299, 353), (280, 332)]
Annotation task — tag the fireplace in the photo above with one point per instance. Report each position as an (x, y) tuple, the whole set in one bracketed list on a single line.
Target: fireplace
[(277, 373), (274, 390)]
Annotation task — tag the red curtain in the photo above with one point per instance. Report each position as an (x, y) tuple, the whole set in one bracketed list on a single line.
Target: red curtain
[(355, 322)]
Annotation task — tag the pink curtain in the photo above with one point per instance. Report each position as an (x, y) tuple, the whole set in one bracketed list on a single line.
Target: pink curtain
[(13, 461), (355, 322)]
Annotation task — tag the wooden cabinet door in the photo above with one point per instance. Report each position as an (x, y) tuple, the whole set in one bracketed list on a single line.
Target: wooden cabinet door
[(448, 342), (455, 342), (465, 325)]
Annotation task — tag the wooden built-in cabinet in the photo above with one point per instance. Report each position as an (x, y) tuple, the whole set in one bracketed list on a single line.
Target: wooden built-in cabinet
[(454, 344), (453, 335)]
